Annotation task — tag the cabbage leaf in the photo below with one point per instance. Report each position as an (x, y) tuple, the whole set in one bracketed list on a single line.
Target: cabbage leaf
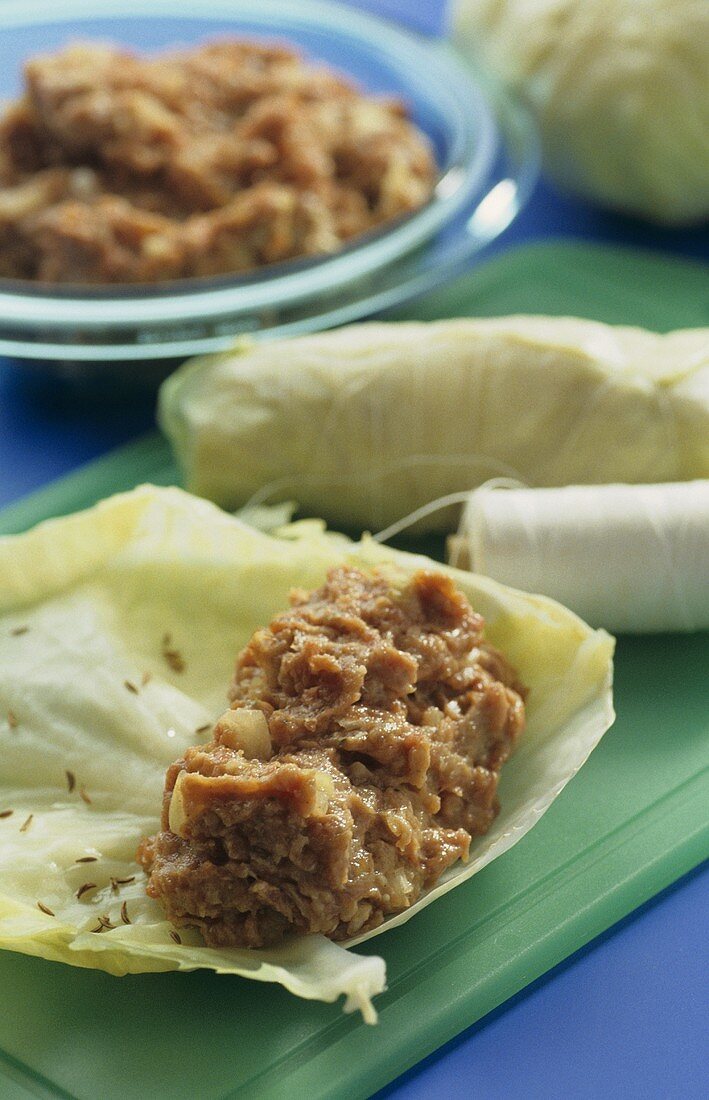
[(119, 627)]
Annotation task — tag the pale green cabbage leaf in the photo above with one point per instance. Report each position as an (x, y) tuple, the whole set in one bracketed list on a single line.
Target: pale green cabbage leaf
[(620, 90), (88, 701), (367, 423)]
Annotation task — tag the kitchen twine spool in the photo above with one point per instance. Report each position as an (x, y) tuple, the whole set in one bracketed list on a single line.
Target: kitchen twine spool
[(631, 558)]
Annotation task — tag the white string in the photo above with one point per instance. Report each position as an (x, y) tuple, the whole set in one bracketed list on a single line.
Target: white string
[(631, 558), (421, 513), (465, 497), (470, 520), (291, 482)]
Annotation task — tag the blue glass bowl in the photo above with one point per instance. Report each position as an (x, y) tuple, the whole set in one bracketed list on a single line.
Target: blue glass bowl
[(486, 152)]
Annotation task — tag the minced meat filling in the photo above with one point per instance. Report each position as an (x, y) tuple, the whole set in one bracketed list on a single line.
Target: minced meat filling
[(217, 159), (362, 753)]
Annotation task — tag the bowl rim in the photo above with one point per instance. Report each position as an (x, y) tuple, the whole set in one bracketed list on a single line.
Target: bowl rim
[(63, 307)]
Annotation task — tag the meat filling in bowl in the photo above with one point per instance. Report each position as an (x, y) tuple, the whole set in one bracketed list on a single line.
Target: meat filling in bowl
[(218, 159), (362, 753)]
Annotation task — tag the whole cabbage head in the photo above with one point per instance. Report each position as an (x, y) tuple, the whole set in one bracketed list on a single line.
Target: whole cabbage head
[(620, 89)]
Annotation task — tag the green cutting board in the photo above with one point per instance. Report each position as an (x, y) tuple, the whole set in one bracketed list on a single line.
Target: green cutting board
[(630, 823)]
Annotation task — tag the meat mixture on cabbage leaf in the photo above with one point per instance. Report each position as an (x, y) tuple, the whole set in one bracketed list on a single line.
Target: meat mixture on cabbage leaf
[(361, 755)]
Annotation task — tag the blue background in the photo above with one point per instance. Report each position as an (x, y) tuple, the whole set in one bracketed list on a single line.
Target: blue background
[(625, 1017)]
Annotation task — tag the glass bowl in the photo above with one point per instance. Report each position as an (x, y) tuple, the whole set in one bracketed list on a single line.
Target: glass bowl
[(487, 156)]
